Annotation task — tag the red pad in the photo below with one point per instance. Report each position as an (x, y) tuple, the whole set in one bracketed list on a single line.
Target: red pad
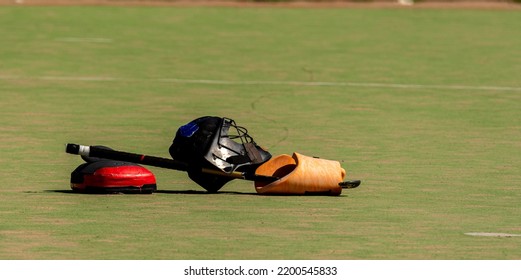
[(112, 177)]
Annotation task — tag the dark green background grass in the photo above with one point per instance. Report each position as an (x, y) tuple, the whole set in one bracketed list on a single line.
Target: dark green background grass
[(435, 162)]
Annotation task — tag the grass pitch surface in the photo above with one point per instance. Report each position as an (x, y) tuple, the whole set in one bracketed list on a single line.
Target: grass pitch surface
[(422, 105)]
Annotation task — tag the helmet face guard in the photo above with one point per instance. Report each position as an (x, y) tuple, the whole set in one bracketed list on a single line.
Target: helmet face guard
[(217, 143), (233, 148)]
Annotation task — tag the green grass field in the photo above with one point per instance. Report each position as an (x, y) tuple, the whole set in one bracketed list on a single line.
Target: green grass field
[(423, 105)]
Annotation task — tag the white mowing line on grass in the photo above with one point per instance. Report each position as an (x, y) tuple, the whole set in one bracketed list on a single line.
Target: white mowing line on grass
[(492, 234), (61, 78), (266, 82), (342, 84), (81, 79), (84, 40)]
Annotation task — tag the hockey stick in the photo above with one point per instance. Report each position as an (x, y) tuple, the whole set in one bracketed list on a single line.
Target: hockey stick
[(93, 151)]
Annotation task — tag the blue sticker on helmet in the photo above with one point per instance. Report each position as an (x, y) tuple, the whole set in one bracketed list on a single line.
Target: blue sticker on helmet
[(188, 129)]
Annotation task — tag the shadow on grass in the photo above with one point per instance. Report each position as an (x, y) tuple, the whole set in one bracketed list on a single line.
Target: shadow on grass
[(240, 193), (201, 192), (194, 192), (186, 192)]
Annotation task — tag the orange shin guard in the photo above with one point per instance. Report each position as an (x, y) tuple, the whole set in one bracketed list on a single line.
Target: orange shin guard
[(301, 175)]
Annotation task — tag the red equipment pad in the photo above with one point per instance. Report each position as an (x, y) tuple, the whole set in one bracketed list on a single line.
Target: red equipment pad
[(108, 176)]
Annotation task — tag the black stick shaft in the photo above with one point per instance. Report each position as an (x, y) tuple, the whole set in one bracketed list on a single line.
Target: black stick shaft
[(91, 151)]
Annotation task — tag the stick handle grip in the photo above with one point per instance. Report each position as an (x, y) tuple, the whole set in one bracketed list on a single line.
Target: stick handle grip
[(350, 184)]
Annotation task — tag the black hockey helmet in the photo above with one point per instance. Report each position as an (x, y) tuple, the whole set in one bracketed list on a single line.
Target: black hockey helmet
[(216, 143)]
